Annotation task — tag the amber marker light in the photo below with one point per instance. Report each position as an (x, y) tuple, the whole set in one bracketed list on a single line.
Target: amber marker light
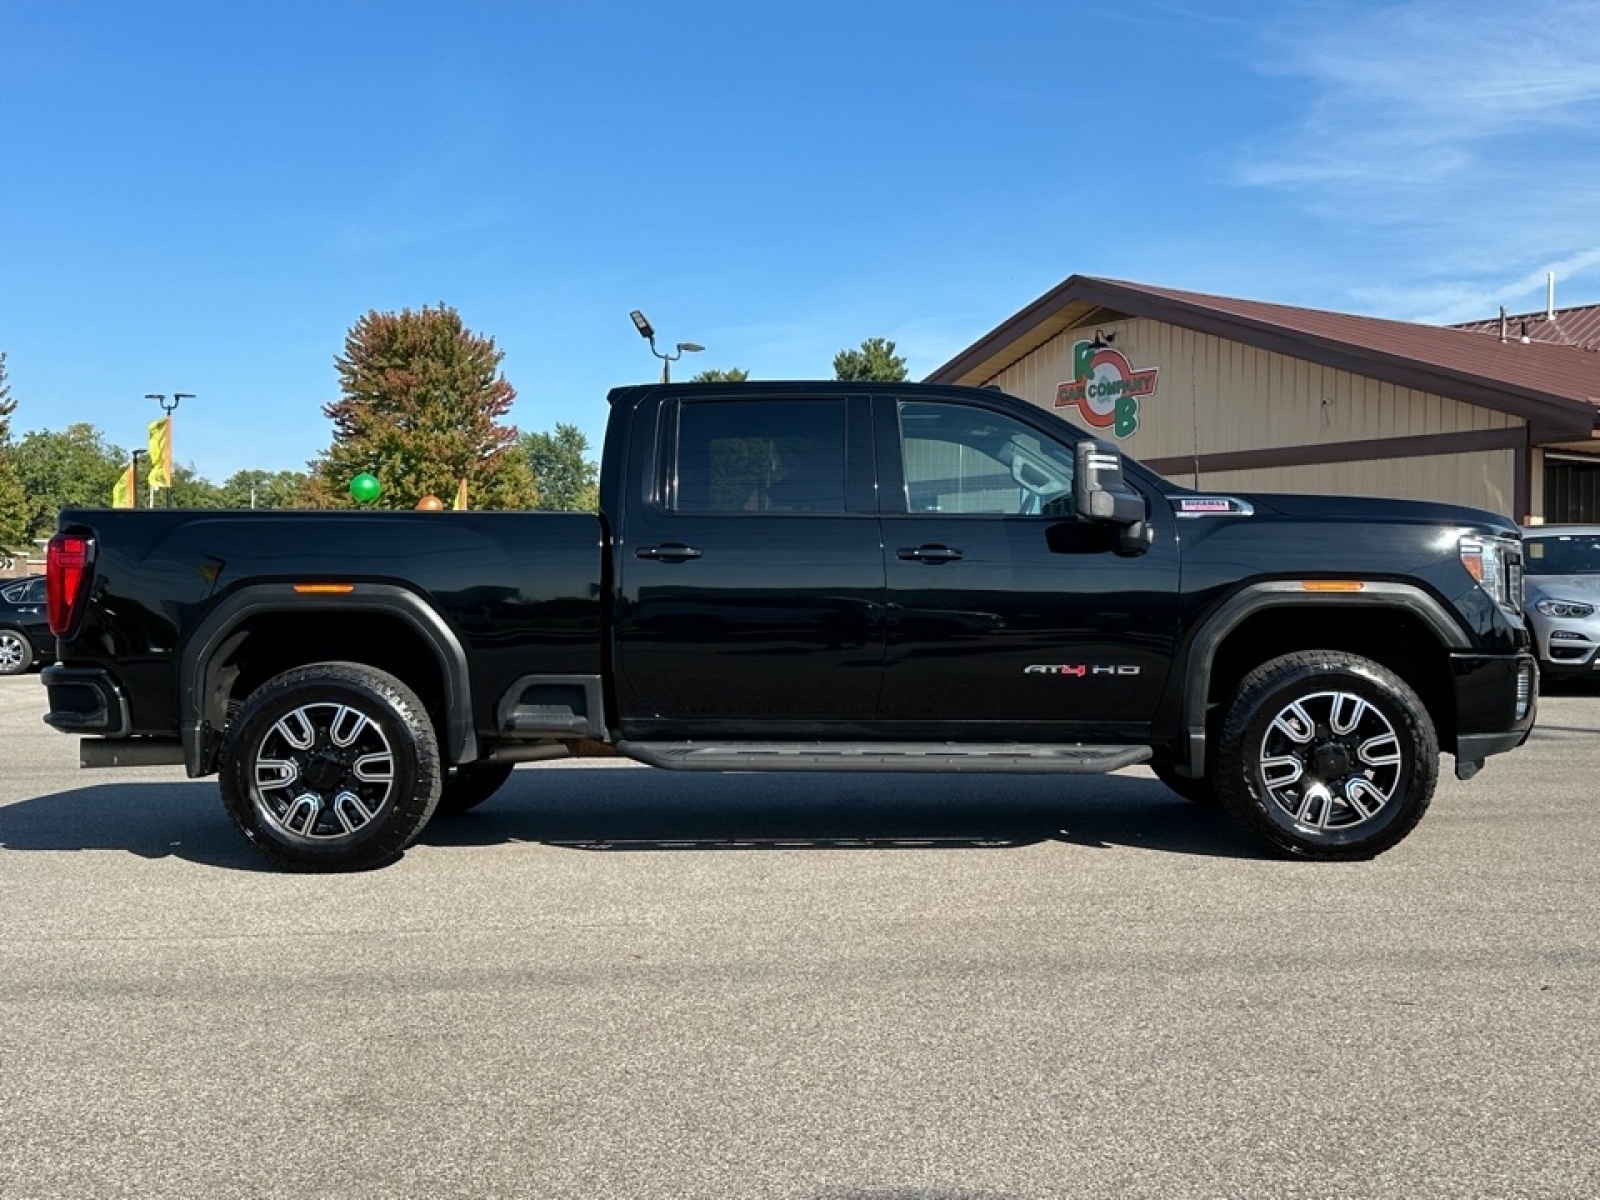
[(324, 589), (1331, 585)]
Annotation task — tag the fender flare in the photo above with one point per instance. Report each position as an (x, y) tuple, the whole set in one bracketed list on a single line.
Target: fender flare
[(200, 648), (1190, 753)]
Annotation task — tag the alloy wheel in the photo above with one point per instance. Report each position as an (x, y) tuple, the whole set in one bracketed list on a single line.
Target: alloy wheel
[(1331, 761), (323, 771)]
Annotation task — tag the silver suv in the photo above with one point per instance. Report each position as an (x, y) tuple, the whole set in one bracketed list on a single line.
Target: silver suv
[(1562, 597)]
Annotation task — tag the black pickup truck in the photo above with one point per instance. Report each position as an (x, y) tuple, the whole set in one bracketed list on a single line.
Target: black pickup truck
[(812, 577)]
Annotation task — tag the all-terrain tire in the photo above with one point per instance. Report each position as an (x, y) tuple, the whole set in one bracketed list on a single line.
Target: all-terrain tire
[(1327, 755), (331, 767)]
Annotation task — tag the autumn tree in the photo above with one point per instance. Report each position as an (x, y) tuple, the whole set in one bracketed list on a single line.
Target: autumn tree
[(13, 497), (875, 361), (562, 470), (422, 403)]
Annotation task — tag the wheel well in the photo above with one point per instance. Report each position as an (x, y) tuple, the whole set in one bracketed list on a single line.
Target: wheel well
[(267, 644), (1391, 637)]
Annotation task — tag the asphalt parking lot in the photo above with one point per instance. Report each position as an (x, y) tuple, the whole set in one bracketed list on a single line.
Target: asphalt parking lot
[(615, 982)]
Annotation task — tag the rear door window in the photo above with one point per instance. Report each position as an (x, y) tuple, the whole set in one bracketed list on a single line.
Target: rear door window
[(763, 456)]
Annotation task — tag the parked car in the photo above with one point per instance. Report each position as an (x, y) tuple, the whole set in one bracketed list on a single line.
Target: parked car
[(25, 635), (1561, 593)]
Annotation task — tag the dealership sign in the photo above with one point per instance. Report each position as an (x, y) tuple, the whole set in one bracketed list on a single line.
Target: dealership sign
[(1105, 388)]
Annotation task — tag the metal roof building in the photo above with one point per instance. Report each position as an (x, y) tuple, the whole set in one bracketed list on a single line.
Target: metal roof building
[(1245, 395)]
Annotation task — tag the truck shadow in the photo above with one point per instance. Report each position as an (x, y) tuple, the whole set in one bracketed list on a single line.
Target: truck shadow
[(648, 810), (177, 819), (645, 810)]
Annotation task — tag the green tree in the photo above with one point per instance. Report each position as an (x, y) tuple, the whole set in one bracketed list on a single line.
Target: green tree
[(566, 478), (13, 496), (422, 401), (76, 468), (718, 375), (189, 490), (264, 489), (876, 360)]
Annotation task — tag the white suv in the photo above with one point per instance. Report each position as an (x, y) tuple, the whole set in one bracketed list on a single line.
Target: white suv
[(1561, 595)]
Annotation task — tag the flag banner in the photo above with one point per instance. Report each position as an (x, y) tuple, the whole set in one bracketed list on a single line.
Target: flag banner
[(161, 453), (122, 495), (461, 497)]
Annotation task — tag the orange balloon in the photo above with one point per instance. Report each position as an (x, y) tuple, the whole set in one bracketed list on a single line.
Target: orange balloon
[(431, 504)]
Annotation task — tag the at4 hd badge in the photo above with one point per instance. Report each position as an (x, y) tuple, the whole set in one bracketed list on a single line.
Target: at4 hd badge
[(1105, 388)]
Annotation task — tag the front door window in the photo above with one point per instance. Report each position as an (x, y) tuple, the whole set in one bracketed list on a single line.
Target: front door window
[(968, 460)]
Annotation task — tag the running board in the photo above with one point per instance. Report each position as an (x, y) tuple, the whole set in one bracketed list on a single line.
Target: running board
[(998, 757)]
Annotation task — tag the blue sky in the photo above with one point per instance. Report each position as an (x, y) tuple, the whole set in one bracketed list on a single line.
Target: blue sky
[(205, 197)]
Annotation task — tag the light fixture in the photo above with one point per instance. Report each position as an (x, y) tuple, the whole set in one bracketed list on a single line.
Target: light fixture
[(648, 332)]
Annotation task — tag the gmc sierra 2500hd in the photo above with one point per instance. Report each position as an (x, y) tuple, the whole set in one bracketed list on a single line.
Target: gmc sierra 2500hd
[(803, 576)]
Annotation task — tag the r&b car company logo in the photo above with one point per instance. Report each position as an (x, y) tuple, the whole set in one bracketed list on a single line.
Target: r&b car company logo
[(1105, 388)]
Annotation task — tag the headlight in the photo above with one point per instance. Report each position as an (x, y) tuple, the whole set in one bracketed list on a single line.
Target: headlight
[(1565, 608), (1496, 563)]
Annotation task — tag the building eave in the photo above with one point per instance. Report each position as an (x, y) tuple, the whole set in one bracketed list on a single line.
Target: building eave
[(1083, 300)]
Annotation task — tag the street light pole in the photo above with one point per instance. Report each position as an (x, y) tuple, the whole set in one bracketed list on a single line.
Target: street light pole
[(647, 331), (135, 456), (167, 408)]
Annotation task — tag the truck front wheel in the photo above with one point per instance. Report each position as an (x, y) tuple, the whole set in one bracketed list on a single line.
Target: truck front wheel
[(331, 767), (1327, 755)]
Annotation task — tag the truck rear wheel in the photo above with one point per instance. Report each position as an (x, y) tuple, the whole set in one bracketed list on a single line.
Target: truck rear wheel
[(331, 767), (1327, 755)]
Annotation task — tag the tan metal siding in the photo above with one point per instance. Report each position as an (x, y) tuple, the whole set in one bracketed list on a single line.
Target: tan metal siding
[(1481, 480), (1215, 395), (1218, 395)]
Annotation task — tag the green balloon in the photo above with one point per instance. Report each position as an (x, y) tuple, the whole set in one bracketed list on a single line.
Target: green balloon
[(365, 487)]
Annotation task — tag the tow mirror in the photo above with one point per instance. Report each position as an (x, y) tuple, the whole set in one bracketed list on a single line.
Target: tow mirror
[(1101, 494)]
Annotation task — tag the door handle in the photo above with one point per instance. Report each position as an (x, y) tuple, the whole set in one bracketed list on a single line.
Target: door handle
[(667, 552), (928, 554)]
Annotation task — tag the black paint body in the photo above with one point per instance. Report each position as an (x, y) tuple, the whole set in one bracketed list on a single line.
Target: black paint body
[(868, 623)]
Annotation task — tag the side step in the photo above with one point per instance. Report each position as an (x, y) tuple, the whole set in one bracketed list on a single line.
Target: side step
[(130, 752), (999, 757)]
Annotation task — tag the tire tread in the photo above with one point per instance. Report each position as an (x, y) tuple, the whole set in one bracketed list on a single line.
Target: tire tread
[(408, 817), (1234, 779)]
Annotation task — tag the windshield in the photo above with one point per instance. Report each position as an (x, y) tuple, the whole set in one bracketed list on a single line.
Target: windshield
[(1562, 554)]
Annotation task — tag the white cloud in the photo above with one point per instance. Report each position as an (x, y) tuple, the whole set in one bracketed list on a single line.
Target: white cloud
[(1416, 93), (1463, 137)]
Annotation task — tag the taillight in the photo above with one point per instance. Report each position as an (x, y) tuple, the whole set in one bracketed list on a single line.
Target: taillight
[(66, 571)]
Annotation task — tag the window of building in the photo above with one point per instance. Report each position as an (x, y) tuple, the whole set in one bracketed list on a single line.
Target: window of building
[(1571, 490)]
